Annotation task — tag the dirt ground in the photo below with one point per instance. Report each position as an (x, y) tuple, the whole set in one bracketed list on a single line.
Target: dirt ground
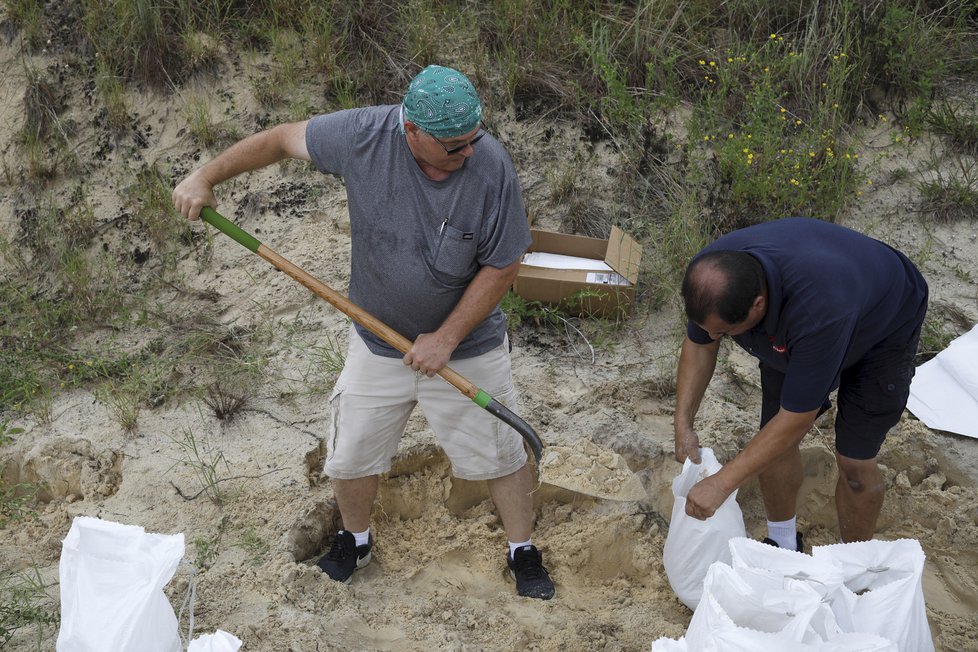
[(438, 580)]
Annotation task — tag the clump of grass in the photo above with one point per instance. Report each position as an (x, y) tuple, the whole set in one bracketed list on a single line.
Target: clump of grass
[(138, 39), (960, 129), (42, 105), (951, 197), (29, 16), (202, 50), (128, 392), (203, 129), (110, 88), (44, 136), (154, 214), (224, 402), (15, 500), (329, 357), (25, 604), (256, 548), (205, 463), (286, 51), (207, 550)]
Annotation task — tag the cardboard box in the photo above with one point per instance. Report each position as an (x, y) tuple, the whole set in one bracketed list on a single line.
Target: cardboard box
[(608, 295)]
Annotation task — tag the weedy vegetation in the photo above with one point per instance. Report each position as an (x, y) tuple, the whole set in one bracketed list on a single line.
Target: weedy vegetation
[(717, 115), (26, 605), (206, 464)]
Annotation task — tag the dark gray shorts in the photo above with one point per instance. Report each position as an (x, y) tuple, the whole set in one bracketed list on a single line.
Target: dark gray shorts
[(872, 396)]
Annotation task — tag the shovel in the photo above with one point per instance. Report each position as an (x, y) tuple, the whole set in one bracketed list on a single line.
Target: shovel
[(601, 472), (380, 329)]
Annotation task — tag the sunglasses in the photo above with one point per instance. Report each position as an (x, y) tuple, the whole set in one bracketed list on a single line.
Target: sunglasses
[(483, 130)]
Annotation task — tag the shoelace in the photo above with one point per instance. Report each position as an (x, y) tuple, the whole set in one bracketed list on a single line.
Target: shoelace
[(530, 567), (340, 550)]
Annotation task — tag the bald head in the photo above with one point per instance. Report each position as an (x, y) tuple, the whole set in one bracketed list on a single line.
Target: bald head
[(724, 284)]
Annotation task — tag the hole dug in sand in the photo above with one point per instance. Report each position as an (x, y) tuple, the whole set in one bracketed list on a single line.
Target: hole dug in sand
[(440, 563)]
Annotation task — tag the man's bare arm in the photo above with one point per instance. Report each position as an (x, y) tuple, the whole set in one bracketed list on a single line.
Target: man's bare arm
[(432, 351), (254, 152), (696, 365), (782, 432)]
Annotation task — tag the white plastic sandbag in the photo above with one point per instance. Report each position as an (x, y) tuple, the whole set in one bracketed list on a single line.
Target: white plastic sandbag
[(219, 641), (734, 614), (691, 544), (112, 579), (770, 567), (858, 642), (883, 589), (664, 644)]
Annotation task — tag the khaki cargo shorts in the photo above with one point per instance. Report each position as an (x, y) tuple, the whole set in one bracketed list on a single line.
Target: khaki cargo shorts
[(374, 397)]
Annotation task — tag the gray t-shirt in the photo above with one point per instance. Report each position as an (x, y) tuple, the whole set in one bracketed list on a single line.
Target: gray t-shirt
[(417, 243)]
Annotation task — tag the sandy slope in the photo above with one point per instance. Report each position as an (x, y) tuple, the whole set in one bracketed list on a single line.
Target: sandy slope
[(437, 580)]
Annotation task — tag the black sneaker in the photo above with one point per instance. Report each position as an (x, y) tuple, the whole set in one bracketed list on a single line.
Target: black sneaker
[(345, 557), (532, 580), (771, 542)]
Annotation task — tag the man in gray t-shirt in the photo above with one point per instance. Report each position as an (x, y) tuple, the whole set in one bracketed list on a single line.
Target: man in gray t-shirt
[(438, 228)]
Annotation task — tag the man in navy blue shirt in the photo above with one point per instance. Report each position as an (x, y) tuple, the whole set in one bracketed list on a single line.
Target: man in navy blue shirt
[(821, 307)]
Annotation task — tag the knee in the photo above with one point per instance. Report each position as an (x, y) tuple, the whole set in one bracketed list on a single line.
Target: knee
[(861, 476)]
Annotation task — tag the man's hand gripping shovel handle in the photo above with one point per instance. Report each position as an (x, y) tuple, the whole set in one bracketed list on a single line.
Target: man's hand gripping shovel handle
[(374, 325)]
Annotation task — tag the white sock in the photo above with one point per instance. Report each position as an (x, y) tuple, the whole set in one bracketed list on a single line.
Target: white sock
[(514, 546), (362, 537), (783, 533)]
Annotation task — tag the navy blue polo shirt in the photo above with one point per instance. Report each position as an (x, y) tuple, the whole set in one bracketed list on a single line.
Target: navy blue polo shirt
[(833, 294)]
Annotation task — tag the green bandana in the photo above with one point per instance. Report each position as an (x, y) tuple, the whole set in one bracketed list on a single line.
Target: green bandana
[(442, 102)]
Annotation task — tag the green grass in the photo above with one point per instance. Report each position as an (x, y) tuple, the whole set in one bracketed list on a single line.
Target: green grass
[(951, 196), (25, 605), (206, 464), (718, 115), (959, 127)]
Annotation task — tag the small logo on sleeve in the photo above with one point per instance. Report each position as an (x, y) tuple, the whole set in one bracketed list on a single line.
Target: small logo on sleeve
[(778, 348)]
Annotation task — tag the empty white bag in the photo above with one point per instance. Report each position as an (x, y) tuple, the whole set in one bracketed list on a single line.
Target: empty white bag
[(691, 544), (112, 579), (883, 589)]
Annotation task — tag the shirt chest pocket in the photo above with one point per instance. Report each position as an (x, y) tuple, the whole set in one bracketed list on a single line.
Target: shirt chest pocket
[(456, 254)]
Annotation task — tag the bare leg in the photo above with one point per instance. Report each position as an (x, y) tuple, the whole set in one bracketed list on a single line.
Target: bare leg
[(356, 500), (780, 483), (512, 496), (858, 498)]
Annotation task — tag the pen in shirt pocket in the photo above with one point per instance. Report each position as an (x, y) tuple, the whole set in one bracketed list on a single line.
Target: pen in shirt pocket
[(441, 229)]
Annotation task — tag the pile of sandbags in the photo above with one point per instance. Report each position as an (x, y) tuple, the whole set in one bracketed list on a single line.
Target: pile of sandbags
[(855, 597)]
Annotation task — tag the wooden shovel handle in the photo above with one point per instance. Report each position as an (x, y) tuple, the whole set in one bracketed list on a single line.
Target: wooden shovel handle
[(480, 397)]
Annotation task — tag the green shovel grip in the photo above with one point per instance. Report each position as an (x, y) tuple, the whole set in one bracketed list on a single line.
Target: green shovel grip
[(229, 229)]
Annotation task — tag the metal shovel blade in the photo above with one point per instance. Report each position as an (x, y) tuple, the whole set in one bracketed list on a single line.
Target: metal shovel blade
[(591, 470)]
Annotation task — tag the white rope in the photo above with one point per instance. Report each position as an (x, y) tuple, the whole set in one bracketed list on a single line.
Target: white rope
[(188, 603)]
